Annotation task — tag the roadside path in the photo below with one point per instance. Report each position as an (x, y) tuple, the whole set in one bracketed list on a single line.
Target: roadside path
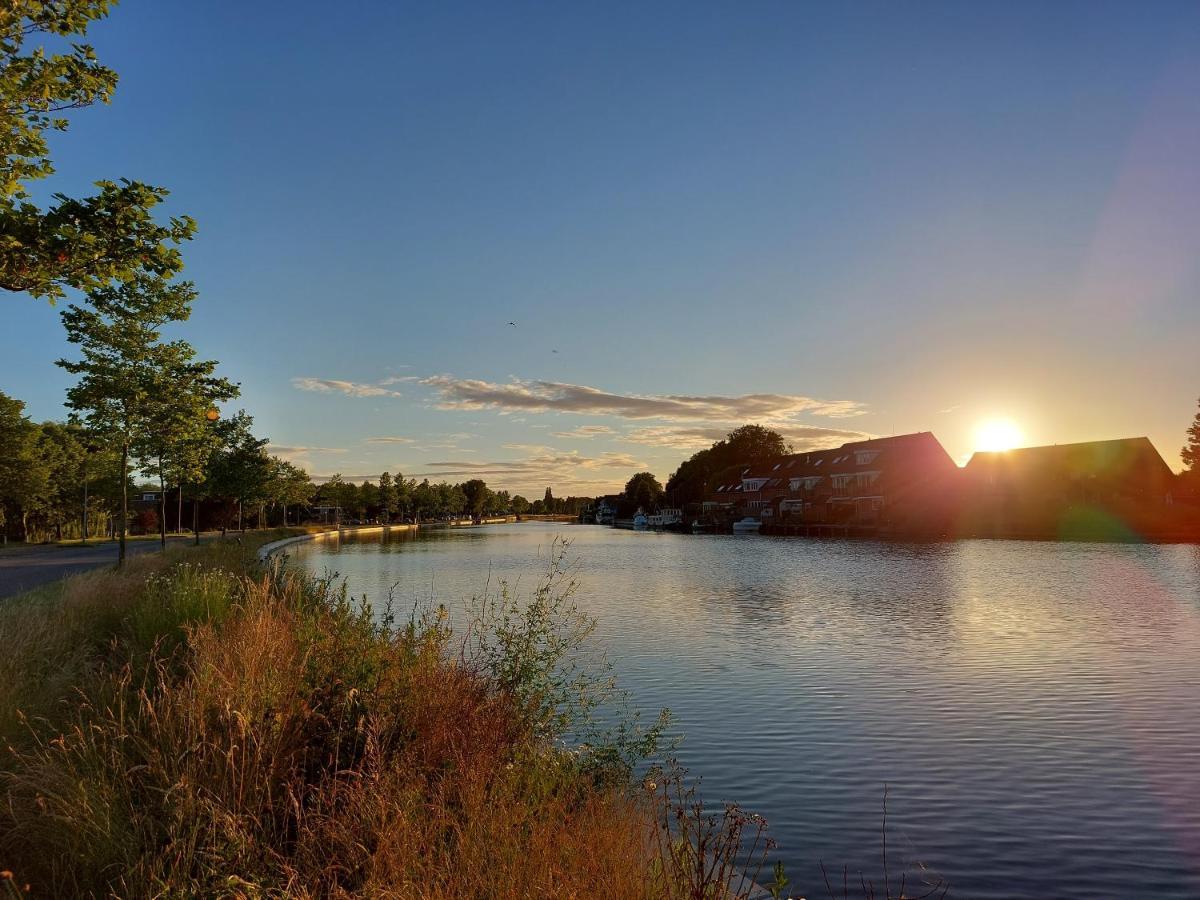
[(22, 568)]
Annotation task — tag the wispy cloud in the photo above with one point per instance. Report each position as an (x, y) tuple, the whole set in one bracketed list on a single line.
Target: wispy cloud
[(346, 388), (801, 437), (286, 450), (585, 432), (554, 396), (390, 440)]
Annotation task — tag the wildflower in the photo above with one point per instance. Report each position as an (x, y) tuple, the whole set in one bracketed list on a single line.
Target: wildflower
[(650, 786)]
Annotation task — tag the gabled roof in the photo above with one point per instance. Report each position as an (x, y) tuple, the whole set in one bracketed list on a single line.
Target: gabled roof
[(844, 460), (1088, 459)]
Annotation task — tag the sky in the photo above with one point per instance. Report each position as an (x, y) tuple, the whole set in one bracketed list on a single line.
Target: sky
[(839, 220)]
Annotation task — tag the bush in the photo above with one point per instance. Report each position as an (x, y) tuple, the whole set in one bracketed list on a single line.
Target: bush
[(210, 729)]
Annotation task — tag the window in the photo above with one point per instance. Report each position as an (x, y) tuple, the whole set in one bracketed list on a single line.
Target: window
[(148, 497), (865, 457)]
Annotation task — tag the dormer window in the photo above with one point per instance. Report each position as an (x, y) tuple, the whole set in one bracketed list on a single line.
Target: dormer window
[(865, 457)]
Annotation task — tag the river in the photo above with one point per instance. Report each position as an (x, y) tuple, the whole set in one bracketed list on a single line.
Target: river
[(1033, 708)]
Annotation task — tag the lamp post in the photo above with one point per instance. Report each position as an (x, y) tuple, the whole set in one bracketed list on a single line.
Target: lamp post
[(210, 415)]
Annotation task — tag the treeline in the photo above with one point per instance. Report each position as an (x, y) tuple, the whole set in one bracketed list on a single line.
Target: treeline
[(63, 480), (396, 498)]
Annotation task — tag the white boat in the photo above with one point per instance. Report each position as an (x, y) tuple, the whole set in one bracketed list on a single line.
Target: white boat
[(748, 525), (639, 521)]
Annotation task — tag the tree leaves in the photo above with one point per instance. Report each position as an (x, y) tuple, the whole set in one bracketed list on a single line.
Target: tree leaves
[(80, 244)]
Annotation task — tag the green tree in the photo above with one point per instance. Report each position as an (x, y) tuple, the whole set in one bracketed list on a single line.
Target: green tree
[(287, 485), (387, 497), (62, 452), (548, 501), (131, 381), (476, 494), (643, 490), (745, 445), (239, 470), (423, 500), (24, 479), (74, 243), (520, 506)]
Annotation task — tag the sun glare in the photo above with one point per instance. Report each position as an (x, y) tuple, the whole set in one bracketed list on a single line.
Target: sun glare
[(998, 434)]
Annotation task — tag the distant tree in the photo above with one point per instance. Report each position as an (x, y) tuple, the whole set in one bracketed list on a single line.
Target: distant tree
[(548, 502), (23, 476), (748, 444), (61, 450), (476, 494), (240, 469), (287, 485), (1191, 450), (520, 506), (81, 244), (387, 497), (755, 444), (643, 490), (368, 498), (423, 500)]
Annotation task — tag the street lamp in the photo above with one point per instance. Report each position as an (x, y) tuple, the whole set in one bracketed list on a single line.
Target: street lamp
[(211, 415)]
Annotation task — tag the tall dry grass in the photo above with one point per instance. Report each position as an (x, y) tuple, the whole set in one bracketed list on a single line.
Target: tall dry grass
[(192, 726)]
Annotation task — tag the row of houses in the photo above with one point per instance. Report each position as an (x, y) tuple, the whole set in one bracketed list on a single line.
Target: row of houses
[(909, 485)]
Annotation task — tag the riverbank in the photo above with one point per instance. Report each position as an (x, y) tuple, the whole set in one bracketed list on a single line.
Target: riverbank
[(195, 725)]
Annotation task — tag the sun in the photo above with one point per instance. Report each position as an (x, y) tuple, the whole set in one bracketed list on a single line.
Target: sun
[(998, 434)]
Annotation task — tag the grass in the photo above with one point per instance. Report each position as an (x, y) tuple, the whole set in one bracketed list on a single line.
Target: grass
[(193, 725)]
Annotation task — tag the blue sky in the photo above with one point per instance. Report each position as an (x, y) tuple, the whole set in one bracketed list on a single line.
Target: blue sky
[(868, 218)]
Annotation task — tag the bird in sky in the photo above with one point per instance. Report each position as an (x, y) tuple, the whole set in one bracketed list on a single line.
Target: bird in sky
[(513, 324)]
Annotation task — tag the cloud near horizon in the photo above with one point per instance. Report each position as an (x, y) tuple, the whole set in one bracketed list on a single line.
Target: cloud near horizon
[(286, 450), (801, 437), (553, 396), (346, 388), (585, 431)]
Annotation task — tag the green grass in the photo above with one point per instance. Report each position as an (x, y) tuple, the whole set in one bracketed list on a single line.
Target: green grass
[(192, 725)]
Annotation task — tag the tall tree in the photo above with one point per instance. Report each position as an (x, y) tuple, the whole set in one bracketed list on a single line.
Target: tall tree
[(387, 497), (23, 475), (287, 484), (1191, 450), (240, 469), (74, 243), (644, 491), (747, 444), (60, 448), (476, 494), (128, 374)]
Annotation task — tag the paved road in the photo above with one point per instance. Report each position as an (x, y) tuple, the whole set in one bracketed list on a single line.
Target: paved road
[(22, 568)]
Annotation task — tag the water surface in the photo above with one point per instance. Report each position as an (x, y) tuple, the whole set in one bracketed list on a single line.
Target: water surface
[(1034, 708)]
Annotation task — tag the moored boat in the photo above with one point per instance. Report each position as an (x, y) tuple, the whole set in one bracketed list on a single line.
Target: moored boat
[(748, 525)]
